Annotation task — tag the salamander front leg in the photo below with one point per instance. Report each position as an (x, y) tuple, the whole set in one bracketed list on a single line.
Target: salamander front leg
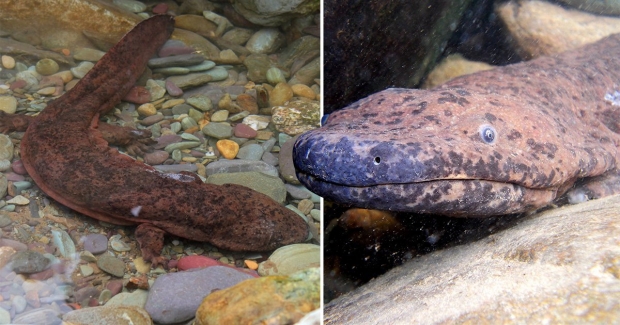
[(137, 142), (151, 240), (14, 122)]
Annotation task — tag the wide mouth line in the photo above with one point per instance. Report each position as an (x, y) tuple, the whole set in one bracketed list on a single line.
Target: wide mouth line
[(417, 182)]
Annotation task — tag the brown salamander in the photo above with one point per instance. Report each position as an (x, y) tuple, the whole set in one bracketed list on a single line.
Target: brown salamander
[(502, 141), (65, 153)]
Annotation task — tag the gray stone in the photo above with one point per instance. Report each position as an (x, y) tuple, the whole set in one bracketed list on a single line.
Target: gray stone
[(176, 168), (275, 13), (183, 60), (29, 262), (287, 169), (297, 191), (218, 130), (217, 73), (268, 185), (112, 265), (6, 147), (104, 315), (250, 152), (172, 71), (265, 41), (190, 80), (559, 267), (206, 65), (82, 69), (269, 158), (87, 54), (181, 109), (201, 102), (175, 297), (182, 145), (235, 166)]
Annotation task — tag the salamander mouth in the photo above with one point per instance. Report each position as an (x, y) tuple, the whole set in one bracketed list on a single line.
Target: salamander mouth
[(450, 197)]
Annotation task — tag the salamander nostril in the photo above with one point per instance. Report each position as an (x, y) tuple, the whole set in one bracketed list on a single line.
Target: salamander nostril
[(377, 160)]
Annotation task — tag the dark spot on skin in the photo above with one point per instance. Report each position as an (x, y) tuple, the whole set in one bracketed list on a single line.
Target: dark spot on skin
[(462, 102), (408, 98), (490, 117), (369, 115), (432, 118), (462, 92), (447, 113), (422, 106), (380, 101), (494, 103), (449, 98), (394, 122), (377, 122), (514, 134), (396, 113)]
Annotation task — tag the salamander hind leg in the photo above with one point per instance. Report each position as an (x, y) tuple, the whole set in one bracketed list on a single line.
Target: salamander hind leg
[(595, 187), (151, 240), (136, 142)]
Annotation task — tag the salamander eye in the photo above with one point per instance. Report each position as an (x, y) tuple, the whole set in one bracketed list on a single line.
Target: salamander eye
[(488, 134), (324, 119)]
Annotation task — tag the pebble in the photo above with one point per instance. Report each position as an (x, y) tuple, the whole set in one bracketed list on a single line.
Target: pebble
[(191, 80), (63, 243), (172, 89), (156, 88), (105, 315), (289, 259), (147, 109), (8, 104), (150, 120), (47, 67), (156, 157), (287, 168), (181, 145), (285, 298), (95, 243), (118, 245), (86, 270), (181, 109), (131, 5), (111, 265), (235, 166), (302, 90), (220, 116), (160, 8), (82, 69), (280, 94), (243, 131), (18, 200), (172, 71), (87, 54), (201, 102), (42, 315), (247, 103), (251, 152), (265, 41), (182, 60), (269, 158), (257, 122), (269, 185), (176, 168), (218, 130), (137, 298), (174, 297), (195, 261), (239, 116), (29, 262), (217, 74), (206, 65), (173, 102), (297, 192), (5, 317), (31, 78), (5, 220), (227, 148), (18, 167), (174, 47), (8, 62), (275, 76)]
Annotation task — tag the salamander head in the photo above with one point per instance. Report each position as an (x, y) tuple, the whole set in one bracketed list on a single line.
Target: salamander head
[(444, 151)]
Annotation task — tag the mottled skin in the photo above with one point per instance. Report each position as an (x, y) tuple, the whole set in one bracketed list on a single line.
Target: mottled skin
[(65, 153), (422, 150)]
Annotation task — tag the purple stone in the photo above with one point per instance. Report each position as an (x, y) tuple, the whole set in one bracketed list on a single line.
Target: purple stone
[(95, 243), (172, 89)]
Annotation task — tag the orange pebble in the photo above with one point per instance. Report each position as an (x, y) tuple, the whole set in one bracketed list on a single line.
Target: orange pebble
[(252, 265), (66, 52)]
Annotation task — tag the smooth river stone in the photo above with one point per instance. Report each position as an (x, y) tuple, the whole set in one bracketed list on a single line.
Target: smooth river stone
[(218, 130), (236, 166), (269, 185)]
